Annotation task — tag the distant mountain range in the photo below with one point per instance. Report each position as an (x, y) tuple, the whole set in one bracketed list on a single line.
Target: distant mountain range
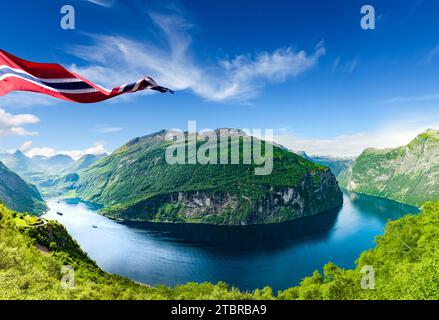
[(16, 161), (136, 183), (84, 162), (39, 169), (52, 175), (53, 164), (336, 164), (407, 174)]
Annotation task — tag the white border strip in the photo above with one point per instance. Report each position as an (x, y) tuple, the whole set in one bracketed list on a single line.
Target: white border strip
[(79, 91)]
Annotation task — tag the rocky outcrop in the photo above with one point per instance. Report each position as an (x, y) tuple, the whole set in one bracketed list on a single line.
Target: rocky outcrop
[(316, 193)]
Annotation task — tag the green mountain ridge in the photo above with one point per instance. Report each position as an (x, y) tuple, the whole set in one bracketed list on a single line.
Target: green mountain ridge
[(84, 162), (18, 195), (408, 174), (136, 183)]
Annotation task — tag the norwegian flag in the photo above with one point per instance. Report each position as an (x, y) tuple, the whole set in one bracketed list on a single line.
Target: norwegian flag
[(53, 79)]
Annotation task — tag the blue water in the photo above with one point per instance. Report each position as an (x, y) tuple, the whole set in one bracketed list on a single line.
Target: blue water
[(275, 255)]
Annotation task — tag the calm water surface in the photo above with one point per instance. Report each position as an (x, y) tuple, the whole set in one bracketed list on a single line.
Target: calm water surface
[(254, 257)]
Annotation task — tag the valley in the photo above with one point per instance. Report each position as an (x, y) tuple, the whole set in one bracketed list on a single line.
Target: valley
[(174, 254), (196, 223)]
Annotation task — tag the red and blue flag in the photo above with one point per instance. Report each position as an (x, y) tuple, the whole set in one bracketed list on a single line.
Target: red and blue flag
[(54, 80)]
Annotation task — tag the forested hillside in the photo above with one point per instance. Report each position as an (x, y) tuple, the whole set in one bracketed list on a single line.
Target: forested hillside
[(17, 194), (408, 174), (136, 183)]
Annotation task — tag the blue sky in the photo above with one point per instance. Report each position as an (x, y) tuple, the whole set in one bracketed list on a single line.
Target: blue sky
[(303, 68)]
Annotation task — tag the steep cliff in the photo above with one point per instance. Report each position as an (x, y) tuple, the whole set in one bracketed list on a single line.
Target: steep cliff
[(281, 204), (408, 174)]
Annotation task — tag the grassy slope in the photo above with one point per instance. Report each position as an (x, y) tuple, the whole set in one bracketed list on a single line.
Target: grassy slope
[(26, 273), (18, 195), (405, 259)]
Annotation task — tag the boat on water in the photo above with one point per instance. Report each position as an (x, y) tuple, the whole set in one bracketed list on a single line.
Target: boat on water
[(95, 226), (59, 213)]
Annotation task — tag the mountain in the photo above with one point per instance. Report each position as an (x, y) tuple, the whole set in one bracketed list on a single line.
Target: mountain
[(52, 175), (85, 162), (55, 164), (336, 164), (17, 195), (407, 174), (136, 183), (64, 182), (37, 170), (26, 166), (17, 161), (303, 154)]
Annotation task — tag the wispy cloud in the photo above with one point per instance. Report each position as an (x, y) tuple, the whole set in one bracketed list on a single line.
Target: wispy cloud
[(336, 63), (346, 66), (391, 135), (26, 99), (431, 54), (115, 60), (103, 3), (28, 149), (104, 130), (12, 124), (352, 65), (405, 99)]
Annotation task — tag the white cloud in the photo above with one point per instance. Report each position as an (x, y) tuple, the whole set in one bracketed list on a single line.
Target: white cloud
[(28, 149), (336, 63), (404, 99), (17, 131), (10, 120), (352, 65), (27, 99), (12, 125), (26, 146), (116, 60), (345, 66), (394, 134), (108, 130), (97, 149), (104, 3), (431, 55)]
